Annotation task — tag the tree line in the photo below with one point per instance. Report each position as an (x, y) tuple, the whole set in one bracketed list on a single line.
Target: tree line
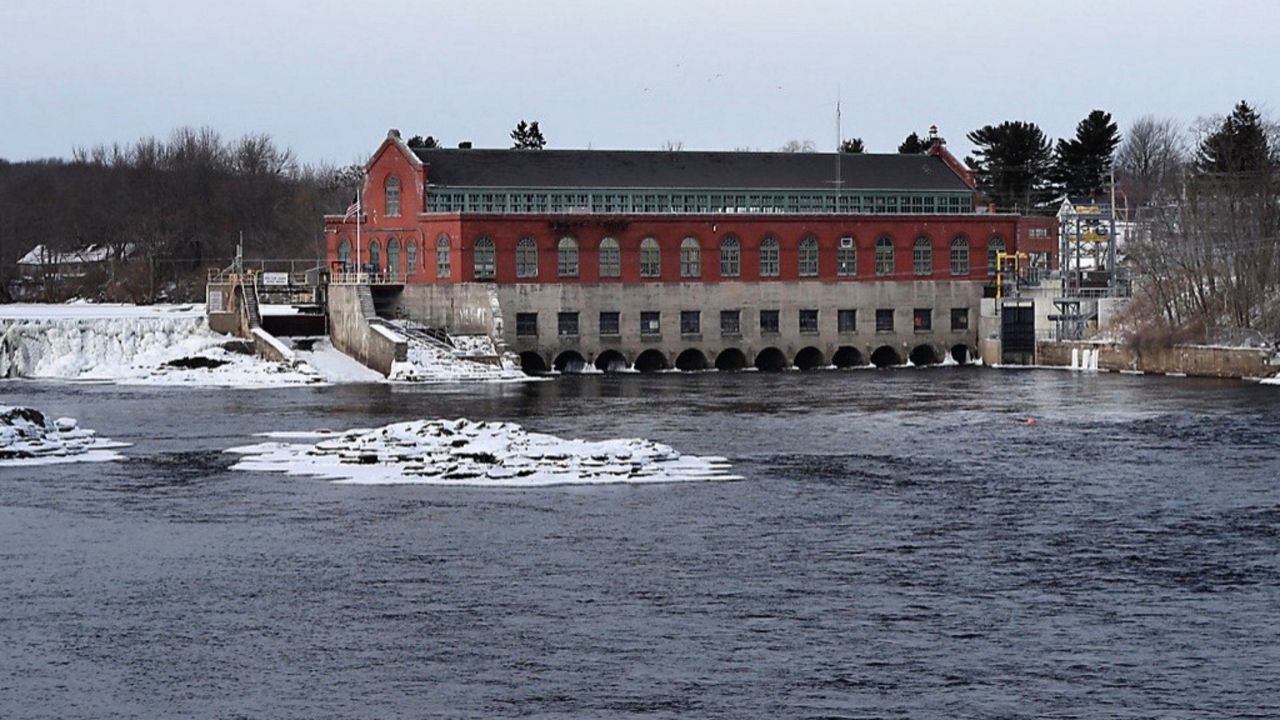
[(167, 209)]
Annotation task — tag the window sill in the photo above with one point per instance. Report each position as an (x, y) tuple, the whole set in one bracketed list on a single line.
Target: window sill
[(769, 332), (922, 331), (610, 337), (651, 337), (809, 332), (691, 336), (884, 332), (568, 336)]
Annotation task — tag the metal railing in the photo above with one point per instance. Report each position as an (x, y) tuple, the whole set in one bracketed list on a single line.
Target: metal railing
[(367, 278)]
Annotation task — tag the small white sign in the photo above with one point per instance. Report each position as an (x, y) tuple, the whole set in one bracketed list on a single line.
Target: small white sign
[(275, 278), (214, 301)]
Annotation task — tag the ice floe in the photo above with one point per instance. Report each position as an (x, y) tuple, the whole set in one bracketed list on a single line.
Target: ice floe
[(462, 452), (28, 437)]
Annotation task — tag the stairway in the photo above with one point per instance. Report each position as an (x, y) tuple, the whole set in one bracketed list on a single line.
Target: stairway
[(249, 291)]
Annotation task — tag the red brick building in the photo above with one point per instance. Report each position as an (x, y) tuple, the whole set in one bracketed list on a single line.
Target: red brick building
[(637, 222)]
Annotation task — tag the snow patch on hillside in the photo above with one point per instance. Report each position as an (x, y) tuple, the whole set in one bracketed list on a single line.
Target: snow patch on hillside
[(462, 452), (28, 437)]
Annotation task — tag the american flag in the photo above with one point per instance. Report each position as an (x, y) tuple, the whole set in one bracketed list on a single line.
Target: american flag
[(352, 210)]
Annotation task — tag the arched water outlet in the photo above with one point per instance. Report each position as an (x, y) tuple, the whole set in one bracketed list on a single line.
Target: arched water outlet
[(961, 354), (885, 356), (691, 359), (924, 355), (611, 361), (847, 356), (810, 358), (731, 359), (570, 362), (532, 363), (771, 360), (651, 361)]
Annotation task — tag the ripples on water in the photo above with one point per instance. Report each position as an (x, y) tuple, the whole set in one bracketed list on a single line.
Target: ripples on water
[(904, 545)]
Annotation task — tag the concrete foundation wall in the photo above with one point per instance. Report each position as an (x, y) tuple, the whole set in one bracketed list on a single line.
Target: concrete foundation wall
[(228, 317), (669, 299), (1192, 360), (459, 309), (351, 320)]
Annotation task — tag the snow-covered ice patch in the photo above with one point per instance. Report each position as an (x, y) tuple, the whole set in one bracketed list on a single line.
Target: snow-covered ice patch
[(28, 437), (484, 454)]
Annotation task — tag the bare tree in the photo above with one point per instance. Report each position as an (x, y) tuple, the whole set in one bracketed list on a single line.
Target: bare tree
[(1150, 159), (796, 146)]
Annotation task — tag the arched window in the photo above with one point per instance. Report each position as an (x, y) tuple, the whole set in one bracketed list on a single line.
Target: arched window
[(392, 188), (960, 256), (884, 256), (808, 256), (567, 265), (650, 258), (375, 253), (922, 256), (393, 256), (610, 258), (690, 258), (769, 257), (483, 259), (526, 258), (730, 256), (344, 254), (411, 256), (443, 269), (995, 246), (847, 258)]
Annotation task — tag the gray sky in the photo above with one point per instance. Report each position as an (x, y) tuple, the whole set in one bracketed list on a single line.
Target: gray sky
[(328, 78)]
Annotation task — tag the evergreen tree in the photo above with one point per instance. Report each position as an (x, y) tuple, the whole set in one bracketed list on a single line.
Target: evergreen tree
[(417, 141), (1012, 163), (1238, 145), (527, 136), (1081, 165), (853, 146), (913, 145)]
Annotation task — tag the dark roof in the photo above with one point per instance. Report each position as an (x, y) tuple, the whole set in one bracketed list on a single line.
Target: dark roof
[(684, 169)]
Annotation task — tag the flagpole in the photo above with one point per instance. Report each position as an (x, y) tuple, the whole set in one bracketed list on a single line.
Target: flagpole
[(359, 212)]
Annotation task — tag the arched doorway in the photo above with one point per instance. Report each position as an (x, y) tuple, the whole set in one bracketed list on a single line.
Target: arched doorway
[(651, 361), (570, 362), (611, 361), (847, 356), (924, 355), (691, 359), (731, 359), (532, 363), (810, 358), (885, 356), (771, 360)]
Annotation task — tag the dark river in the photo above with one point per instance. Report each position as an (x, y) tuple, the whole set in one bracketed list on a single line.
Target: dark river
[(903, 544)]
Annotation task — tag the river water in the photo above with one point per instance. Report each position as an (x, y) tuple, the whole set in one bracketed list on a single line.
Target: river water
[(904, 544)]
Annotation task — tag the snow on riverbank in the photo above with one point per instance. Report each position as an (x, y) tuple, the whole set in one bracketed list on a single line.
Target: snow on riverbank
[(130, 344), (428, 363), (27, 437), (461, 452)]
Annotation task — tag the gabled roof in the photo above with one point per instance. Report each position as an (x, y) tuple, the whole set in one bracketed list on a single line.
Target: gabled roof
[(685, 169)]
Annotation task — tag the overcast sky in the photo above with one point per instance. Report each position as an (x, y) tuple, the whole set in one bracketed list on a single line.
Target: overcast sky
[(328, 79)]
